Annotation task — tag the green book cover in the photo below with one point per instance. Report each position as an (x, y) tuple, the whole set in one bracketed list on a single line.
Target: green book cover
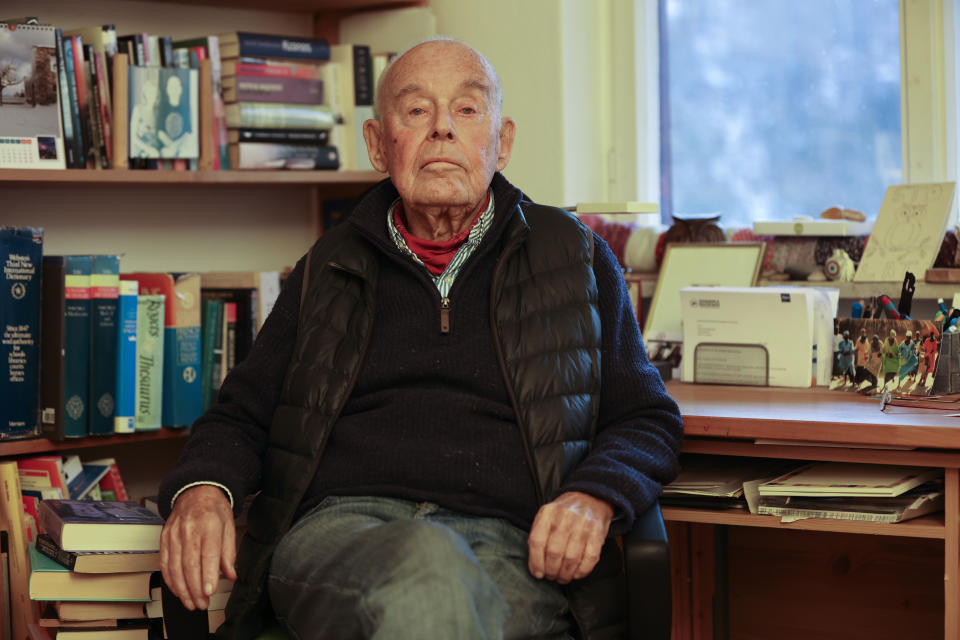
[(211, 357), (104, 296), (76, 293), (148, 409)]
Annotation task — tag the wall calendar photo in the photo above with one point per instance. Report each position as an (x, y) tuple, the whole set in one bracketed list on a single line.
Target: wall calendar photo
[(30, 133)]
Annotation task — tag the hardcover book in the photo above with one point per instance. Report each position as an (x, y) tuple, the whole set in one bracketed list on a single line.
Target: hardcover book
[(21, 252), (65, 346), (97, 525), (212, 350), (125, 417), (148, 408), (30, 133), (267, 155), (274, 89), (268, 69), (83, 611), (246, 44), (164, 112), (79, 142), (211, 48), (275, 115), (14, 542), (104, 298), (99, 561), (111, 484), (318, 137), (182, 400), (50, 580)]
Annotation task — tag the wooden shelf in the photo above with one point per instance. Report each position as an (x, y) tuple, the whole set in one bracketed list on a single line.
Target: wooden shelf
[(105, 178), (303, 6), (924, 527), (43, 445)]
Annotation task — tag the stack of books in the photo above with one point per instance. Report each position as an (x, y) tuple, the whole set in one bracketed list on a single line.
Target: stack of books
[(274, 91), (851, 491), (93, 566)]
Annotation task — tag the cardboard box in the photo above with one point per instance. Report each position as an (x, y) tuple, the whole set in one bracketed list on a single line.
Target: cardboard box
[(765, 336)]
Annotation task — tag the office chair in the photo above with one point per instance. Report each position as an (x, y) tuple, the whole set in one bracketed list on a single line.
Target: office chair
[(648, 597)]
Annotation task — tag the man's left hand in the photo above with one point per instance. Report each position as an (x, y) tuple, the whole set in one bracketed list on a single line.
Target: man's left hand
[(567, 536)]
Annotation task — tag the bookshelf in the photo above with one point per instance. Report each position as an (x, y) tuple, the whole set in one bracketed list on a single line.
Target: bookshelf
[(177, 221)]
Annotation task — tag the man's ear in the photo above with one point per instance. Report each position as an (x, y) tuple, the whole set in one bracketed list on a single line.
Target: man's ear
[(373, 134), (508, 130)]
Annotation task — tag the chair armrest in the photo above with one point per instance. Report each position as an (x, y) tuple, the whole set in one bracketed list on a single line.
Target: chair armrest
[(647, 559)]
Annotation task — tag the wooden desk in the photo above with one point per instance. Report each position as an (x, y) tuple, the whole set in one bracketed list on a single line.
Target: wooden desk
[(726, 420)]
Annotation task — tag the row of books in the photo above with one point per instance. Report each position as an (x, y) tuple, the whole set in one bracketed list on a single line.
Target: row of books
[(94, 351), (795, 490), (88, 98), (95, 571)]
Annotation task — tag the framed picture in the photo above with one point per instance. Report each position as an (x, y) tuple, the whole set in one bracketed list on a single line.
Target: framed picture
[(697, 265)]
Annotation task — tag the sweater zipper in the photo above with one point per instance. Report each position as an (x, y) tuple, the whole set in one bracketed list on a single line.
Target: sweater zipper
[(444, 315), (503, 368)]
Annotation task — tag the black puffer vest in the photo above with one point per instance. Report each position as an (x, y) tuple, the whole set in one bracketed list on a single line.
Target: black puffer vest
[(547, 330)]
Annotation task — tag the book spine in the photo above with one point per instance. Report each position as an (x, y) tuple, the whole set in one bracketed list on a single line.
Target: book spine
[(104, 297), (318, 137), (188, 400), (276, 70), (149, 368), (113, 482), (271, 46), (103, 91), (265, 155), (49, 548), (207, 123), (52, 348), (124, 419), (77, 344), (78, 140), (21, 252), (65, 108), (279, 116), (13, 526), (95, 108), (221, 160), (212, 349), (288, 90), (83, 103), (121, 122)]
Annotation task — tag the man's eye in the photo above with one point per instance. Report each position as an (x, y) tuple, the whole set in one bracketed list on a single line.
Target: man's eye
[(417, 111), (468, 110)]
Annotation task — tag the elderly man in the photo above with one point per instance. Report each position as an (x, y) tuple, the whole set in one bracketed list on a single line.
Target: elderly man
[(449, 412)]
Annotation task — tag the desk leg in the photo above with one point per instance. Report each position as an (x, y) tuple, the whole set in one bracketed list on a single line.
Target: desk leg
[(693, 568), (951, 555)]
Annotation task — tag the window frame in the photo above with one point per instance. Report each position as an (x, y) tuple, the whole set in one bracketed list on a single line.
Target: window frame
[(929, 106)]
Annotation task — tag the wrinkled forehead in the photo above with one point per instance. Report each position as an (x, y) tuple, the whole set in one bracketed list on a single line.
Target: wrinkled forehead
[(441, 63)]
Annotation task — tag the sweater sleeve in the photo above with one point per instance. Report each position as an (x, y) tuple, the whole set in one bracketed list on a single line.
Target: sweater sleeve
[(227, 442), (639, 429)]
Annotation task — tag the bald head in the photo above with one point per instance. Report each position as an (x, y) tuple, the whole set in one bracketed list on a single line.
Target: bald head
[(486, 76)]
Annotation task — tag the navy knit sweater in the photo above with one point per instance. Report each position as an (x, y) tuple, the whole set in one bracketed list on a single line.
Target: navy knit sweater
[(430, 417)]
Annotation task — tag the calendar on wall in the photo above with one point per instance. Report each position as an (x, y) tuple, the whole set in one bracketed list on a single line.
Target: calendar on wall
[(30, 132)]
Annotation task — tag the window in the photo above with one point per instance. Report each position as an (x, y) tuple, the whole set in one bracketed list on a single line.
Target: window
[(774, 109)]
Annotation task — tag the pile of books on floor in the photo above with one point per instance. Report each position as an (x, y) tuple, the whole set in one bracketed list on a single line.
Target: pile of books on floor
[(93, 567), (851, 491)]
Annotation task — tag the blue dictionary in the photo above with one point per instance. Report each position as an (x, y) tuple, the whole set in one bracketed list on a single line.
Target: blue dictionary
[(262, 45), (104, 294), (21, 252), (124, 420)]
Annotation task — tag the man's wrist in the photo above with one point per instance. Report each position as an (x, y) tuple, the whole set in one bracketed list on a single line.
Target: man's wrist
[(226, 491)]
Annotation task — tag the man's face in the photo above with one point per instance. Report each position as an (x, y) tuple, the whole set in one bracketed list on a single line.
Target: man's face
[(440, 137)]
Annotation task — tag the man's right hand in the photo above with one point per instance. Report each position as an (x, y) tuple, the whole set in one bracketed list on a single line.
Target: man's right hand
[(198, 542)]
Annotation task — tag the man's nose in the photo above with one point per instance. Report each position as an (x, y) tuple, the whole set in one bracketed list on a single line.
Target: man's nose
[(443, 127)]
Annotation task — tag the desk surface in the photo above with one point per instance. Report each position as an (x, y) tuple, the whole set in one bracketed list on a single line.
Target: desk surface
[(816, 414)]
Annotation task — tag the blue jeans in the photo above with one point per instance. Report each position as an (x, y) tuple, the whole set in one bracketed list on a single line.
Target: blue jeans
[(365, 567)]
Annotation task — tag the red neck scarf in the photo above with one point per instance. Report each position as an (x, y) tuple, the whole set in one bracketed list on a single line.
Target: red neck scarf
[(434, 255)]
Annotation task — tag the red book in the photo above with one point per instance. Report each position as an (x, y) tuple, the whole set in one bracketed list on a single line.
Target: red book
[(113, 481), (52, 466)]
